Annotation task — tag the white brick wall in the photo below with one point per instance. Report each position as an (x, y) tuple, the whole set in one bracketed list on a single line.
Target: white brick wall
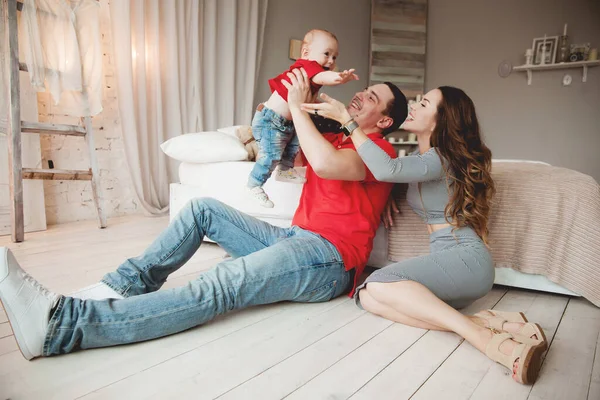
[(68, 201)]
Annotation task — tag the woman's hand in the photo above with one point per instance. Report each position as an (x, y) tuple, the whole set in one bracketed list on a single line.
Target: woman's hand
[(387, 212), (330, 108), (298, 88)]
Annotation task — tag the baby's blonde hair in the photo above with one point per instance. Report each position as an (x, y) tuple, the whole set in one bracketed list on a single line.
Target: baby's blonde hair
[(310, 35)]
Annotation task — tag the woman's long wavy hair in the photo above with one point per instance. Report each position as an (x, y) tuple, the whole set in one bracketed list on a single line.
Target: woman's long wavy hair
[(468, 165)]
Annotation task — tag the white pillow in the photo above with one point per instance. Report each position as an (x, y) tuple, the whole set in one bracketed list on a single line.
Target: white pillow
[(205, 147), (230, 130)]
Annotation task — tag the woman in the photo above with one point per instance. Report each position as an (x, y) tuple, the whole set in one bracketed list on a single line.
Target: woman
[(450, 187)]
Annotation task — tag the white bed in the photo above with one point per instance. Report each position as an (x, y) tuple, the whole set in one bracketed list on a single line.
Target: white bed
[(226, 182)]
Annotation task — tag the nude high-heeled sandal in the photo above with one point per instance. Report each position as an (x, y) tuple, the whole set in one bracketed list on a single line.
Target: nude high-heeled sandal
[(529, 357), (524, 334)]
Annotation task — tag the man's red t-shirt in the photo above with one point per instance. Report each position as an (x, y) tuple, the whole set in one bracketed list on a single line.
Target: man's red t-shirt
[(312, 68), (347, 213)]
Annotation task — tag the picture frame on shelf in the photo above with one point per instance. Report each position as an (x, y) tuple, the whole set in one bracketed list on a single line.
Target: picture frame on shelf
[(295, 49), (551, 45)]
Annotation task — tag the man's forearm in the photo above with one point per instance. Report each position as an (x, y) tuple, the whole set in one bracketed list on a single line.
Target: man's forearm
[(327, 161), (315, 147)]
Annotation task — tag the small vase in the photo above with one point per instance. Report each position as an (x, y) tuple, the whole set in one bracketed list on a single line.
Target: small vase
[(563, 50)]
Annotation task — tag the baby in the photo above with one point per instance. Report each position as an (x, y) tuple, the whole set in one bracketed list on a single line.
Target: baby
[(272, 126)]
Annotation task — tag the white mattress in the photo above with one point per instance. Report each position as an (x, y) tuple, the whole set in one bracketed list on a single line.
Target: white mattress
[(226, 181)]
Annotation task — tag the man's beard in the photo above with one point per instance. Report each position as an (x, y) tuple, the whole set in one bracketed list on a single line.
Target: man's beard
[(326, 125)]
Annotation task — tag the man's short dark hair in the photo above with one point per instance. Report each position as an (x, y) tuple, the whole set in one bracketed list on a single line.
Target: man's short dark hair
[(397, 109)]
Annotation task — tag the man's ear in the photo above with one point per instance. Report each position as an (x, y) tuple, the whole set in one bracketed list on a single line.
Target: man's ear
[(385, 123)]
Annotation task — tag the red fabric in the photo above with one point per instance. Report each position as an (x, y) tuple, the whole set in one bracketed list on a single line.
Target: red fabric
[(312, 68), (344, 212)]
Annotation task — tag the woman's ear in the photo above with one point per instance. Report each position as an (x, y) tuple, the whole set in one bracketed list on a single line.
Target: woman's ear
[(433, 125), (385, 123)]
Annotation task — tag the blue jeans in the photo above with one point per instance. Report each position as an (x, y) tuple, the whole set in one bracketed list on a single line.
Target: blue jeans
[(277, 144), (269, 264)]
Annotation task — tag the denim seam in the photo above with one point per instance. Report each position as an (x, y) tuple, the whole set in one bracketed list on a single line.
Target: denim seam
[(190, 229), (52, 328), (297, 270), (238, 227), (134, 320), (328, 285), (237, 287), (333, 251), (123, 290)]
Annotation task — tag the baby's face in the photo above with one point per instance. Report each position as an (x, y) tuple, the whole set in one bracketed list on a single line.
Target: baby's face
[(324, 50)]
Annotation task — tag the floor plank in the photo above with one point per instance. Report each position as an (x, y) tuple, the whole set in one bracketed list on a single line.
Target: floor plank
[(420, 361), (303, 351), (594, 392), (468, 373), (64, 377), (8, 345), (380, 352), (407, 373), (5, 330), (566, 373), (213, 369), (285, 377), (347, 375)]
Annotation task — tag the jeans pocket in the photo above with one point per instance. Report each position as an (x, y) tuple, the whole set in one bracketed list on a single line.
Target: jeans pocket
[(281, 126), (320, 294)]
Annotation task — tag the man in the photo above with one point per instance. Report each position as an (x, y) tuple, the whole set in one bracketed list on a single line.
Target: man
[(318, 258)]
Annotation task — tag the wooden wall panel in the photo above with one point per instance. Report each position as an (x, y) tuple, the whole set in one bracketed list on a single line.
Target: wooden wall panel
[(398, 44)]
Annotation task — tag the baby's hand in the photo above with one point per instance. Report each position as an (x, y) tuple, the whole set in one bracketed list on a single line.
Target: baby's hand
[(332, 78), (346, 75)]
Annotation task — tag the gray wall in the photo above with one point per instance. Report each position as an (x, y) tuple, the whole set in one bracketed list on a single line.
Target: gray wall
[(466, 41), (350, 21)]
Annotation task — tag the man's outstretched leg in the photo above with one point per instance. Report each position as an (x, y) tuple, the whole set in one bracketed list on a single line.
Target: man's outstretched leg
[(302, 267), (239, 234)]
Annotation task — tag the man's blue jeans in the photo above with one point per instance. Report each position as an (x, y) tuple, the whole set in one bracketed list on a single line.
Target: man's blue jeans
[(277, 144), (269, 264)]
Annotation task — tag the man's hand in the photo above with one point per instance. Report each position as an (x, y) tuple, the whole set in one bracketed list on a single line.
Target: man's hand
[(387, 212), (298, 88), (329, 108)]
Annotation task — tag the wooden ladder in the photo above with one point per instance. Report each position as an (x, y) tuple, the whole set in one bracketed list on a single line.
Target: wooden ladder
[(14, 126)]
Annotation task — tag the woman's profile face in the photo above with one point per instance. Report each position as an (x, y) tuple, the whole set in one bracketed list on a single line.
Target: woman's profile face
[(422, 116)]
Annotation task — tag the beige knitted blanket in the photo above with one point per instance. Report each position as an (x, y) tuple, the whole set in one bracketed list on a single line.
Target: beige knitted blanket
[(544, 220)]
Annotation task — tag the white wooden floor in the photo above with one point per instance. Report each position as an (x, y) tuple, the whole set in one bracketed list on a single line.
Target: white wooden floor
[(295, 351)]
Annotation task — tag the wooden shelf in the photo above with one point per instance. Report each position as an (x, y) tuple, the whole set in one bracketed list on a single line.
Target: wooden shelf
[(57, 174), (567, 65)]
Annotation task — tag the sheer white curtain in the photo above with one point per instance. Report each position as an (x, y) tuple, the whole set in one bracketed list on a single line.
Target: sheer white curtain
[(181, 66)]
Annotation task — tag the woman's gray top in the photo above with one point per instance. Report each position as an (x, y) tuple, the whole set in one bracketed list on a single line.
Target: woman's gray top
[(413, 169)]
